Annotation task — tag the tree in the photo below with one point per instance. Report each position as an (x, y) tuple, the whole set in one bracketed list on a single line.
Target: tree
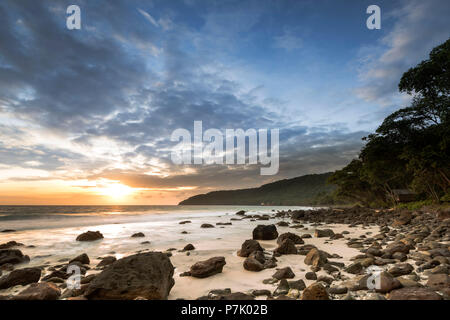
[(411, 147)]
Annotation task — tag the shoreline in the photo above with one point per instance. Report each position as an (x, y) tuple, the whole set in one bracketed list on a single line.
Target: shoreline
[(346, 250)]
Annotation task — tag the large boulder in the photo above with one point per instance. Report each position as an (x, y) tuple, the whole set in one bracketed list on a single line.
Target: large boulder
[(12, 256), (207, 268), (286, 247), (292, 236), (248, 247), (39, 291), (315, 291), (147, 275), (90, 236), (20, 277), (413, 293), (316, 258), (265, 232)]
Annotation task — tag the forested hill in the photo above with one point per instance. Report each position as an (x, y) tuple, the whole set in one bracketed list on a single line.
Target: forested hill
[(305, 190)]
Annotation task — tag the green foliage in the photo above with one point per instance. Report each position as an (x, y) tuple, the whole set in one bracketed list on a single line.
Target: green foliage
[(305, 190), (410, 149), (415, 205)]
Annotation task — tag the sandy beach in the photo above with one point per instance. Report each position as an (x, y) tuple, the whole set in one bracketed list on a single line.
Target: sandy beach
[(335, 256)]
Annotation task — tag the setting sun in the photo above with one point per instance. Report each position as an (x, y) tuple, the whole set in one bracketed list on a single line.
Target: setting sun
[(115, 190)]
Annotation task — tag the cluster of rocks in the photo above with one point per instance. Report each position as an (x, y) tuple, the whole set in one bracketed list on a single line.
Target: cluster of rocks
[(408, 258)]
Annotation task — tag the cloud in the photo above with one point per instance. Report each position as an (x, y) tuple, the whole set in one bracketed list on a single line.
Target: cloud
[(419, 26), (148, 17), (288, 41)]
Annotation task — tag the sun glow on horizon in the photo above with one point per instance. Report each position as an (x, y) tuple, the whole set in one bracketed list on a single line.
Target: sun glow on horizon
[(115, 190)]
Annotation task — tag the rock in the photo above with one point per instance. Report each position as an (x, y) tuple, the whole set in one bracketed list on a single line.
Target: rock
[(404, 219), (12, 256), (90, 236), (207, 268), (235, 296), (283, 288), (261, 292), (265, 232), (374, 296), (316, 258), (270, 263), (88, 279), (338, 290), (251, 264), (357, 283), (354, 268), (20, 277), (284, 273), (296, 215), (10, 244), (206, 225), (407, 283), (293, 293), (248, 247), (219, 292), (138, 235), (56, 274), (286, 247), (189, 247), (323, 233), (401, 269), (315, 291), (82, 258), (400, 256), (283, 224), (184, 222), (106, 261), (329, 268), (240, 213), (386, 283), (148, 275), (39, 291), (396, 247), (413, 294), (298, 285), (325, 279), (292, 236), (438, 281), (310, 276)]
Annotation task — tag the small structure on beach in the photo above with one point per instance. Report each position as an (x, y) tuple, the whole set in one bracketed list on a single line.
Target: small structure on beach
[(404, 195)]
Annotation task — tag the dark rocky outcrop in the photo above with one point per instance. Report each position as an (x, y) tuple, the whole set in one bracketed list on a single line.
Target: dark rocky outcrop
[(90, 236), (20, 277), (12, 256), (265, 232), (248, 247), (207, 268), (148, 275)]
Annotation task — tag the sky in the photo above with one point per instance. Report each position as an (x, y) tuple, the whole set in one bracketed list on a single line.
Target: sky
[(86, 116)]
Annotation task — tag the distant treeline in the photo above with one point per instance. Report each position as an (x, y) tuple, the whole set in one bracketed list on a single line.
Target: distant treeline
[(410, 150), (305, 190)]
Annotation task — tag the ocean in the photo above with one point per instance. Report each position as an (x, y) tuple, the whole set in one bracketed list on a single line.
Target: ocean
[(49, 232)]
